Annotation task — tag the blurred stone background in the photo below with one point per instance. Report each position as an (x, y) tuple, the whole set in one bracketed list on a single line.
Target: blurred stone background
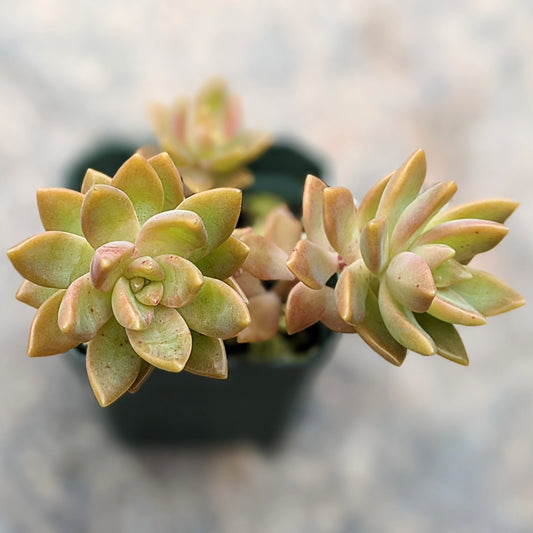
[(427, 447)]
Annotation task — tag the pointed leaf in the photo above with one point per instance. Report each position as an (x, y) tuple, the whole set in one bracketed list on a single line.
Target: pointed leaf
[(225, 260), (434, 254), (176, 232), (170, 179), (145, 267), (150, 294), (402, 325), (166, 343), (375, 244), (410, 281), (138, 179), (145, 372), (467, 237), (129, 312), (84, 310), (445, 337), (312, 264), (45, 336), (208, 357), (305, 307), (60, 209), (351, 292), (283, 228), (265, 260), (450, 273), (449, 306), (112, 364), (216, 311), (488, 294), (93, 177), (250, 286), (107, 215), (369, 205), (34, 295), (312, 206), (109, 263), (52, 259), (265, 312), (340, 222), (331, 318)]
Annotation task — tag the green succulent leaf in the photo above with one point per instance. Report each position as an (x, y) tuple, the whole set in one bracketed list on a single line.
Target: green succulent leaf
[(170, 180), (265, 260), (166, 343), (447, 341), (434, 254), (340, 222), (450, 273), (45, 336), (402, 324), (312, 264), (150, 294), (129, 312), (216, 311), (84, 310), (34, 295), (488, 294), (410, 281), (178, 232), (351, 292), (305, 307), (52, 259), (107, 215), (225, 260), (145, 267), (312, 206), (93, 177), (374, 244), (109, 262), (450, 306), (145, 372), (60, 210), (219, 210), (208, 357), (265, 312), (112, 364)]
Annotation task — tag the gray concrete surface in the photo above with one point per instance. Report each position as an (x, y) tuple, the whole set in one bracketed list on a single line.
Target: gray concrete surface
[(430, 447)]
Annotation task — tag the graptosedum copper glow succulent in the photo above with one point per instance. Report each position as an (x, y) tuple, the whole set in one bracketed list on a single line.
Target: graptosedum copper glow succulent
[(205, 138), (135, 270), (404, 277)]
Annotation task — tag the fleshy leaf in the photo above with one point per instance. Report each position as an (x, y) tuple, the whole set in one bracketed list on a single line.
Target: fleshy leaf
[(166, 343), (150, 294), (107, 215), (109, 263), (312, 264), (305, 307), (170, 179), (488, 294), (93, 177), (208, 357), (369, 205), (447, 341), (467, 237), (331, 318), (32, 294), (217, 311), (52, 259), (351, 292), (145, 372), (178, 232), (182, 280), (312, 205), (128, 311), (374, 244), (250, 285), (434, 254), (145, 267), (449, 306), (340, 222), (450, 273), (138, 179), (45, 336), (410, 281), (219, 210), (112, 364), (283, 228), (84, 310), (402, 325), (265, 312), (265, 260), (60, 209), (225, 260)]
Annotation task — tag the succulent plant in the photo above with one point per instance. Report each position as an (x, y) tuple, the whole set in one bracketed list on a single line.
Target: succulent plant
[(403, 264), (138, 272), (205, 139)]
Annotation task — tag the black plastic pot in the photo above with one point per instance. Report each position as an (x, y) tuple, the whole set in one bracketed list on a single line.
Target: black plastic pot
[(262, 391)]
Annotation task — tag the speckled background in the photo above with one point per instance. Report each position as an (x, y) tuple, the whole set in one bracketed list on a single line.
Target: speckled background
[(427, 447)]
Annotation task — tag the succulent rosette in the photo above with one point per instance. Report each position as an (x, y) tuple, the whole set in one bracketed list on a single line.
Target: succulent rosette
[(206, 140), (135, 270), (403, 264)]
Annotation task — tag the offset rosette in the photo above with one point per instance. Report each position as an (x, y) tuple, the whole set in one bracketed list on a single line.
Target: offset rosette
[(404, 277), (206, 140), (136, 271)]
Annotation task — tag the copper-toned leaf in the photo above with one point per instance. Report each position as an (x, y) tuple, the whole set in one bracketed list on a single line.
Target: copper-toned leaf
[(166, 343), (450, 306), (107, 215), (170, 179), (93, 177), (208, 357), (312, 264), (450, 273), (52, 259), (32, 294), (283, 228), (250, 285), (129, 312), (410, 281), (224, 261), (265, 260), (312, 205), (375, 244), (182, 280), (340, 222), (369, 204), (145, 267), (60, 209), (109, 263), (331, 317), (176, 232), (351, 292), (216, 311), (45, 336), (265, 312), (305, 307), (488, 294), (150, 294), (112, 364), (84, 310)]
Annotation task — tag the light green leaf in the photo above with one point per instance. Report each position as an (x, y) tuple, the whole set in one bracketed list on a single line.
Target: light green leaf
[(32, 294), (451, 307), (434, 254), (170, 179), (60, 210), (129, 312), (182, 280), (225, 260), (450, 273), (150, 294), (208, 357), (145, 267), (144, 373)]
